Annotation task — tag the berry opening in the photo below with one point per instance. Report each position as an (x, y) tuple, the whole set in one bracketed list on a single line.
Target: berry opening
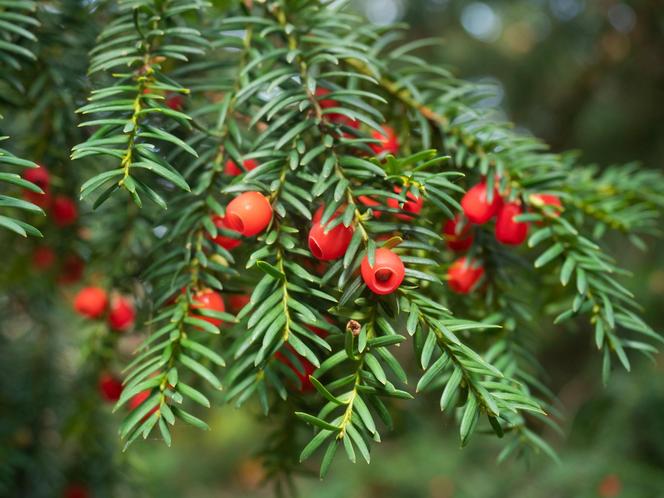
[(235, 222), (384, 278)]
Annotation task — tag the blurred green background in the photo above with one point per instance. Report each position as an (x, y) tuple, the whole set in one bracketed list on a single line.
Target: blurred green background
[(582, 74)]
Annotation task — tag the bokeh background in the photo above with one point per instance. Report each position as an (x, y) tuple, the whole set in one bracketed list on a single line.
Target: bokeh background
[(582, 74)]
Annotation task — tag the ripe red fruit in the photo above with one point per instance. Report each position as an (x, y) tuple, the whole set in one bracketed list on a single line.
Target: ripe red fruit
[(64, 211), (122, 314), (414, 205), (76, 491), (207, 299), (39, 176), (463, 275), (388, 141), (91, 302), (372, 203), (386, 274), (232, 169), (330, 244), (175, 101), (458, 233), (140, 398), (72, 269), (43, 258), (249, 213), (224, 241), (308, 367), (508, 231), (110, 387), (547, 200), (476, 205), (237, 301), (334, 117)]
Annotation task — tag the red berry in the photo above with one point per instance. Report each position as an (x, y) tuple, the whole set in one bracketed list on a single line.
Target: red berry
[(122, 314), (39, 176), (388, 141), (386, 274), (476, 205), (463, 275), (334, 117), (64, 211), (237, 301), (458, 234), (224, 241), (207, 299), (43, 258), (232, 169), (249, 213), (304, 364), (175, 101), (508, 231), (42, 200), (372, 203), (110, 387), (72, 269), (76, 491), (547, 200), (414, 205), (91, 302), (331, 244), (140, 398)]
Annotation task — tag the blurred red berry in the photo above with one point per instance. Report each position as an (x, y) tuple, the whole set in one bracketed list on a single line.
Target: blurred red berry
[(476, 204), (76, 491), (464, 275), (509, 231), (208, 299), (458, 234), (223, 240), (122, 314), (43, 258), (64, 211), (232, 169), (91, 302), (110, 387), (388, 141), (175, 101), (72, 269), (237, 301), (413, 205)]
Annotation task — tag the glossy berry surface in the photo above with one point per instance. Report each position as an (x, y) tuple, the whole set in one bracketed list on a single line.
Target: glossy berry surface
[(509, 231), (122, 314), (387, 273), (388, 141), (91, 302), (225, 241), (249, 213), (64, 211), (464, 275), (326, 244), (208, 299), (458, 233), (476, 204), (413, 205), (232, 169), (110, 387)]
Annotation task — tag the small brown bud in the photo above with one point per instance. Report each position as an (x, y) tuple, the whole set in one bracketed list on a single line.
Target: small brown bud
[(354, 327)]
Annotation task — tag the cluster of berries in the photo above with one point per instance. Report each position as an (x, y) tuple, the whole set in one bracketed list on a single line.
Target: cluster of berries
[(62, 209), (480, 205)]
